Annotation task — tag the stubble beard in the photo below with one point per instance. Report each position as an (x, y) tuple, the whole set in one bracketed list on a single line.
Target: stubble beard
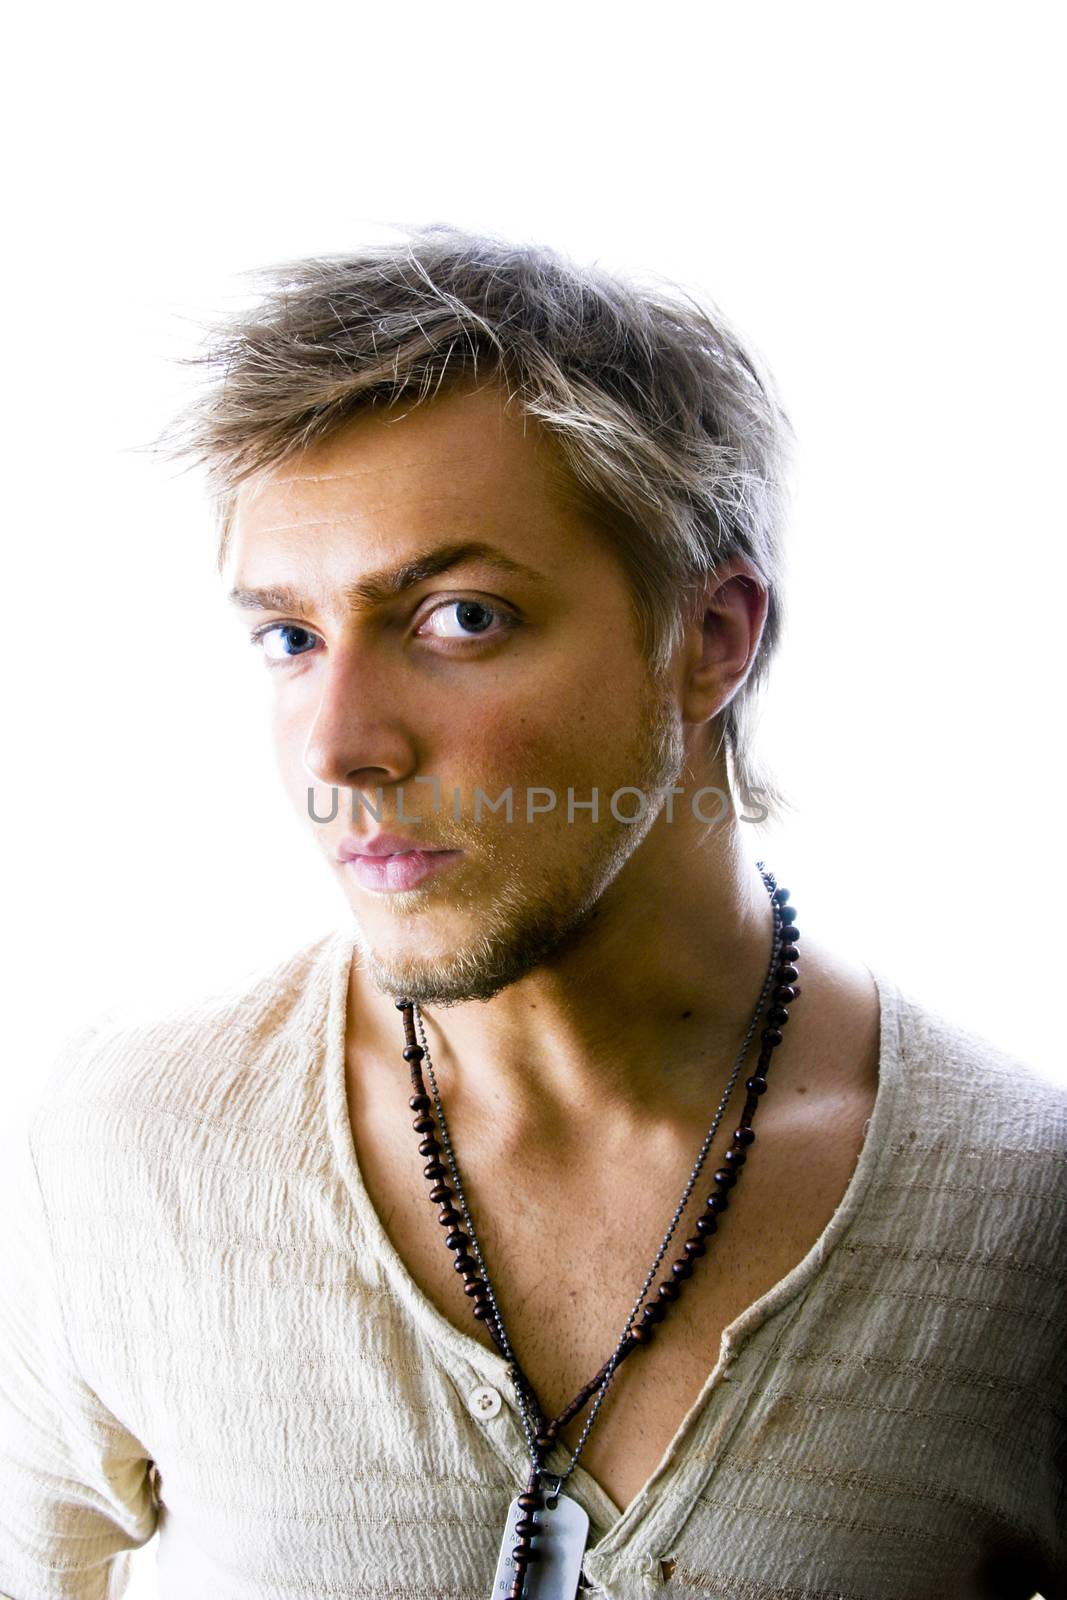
[(522, 926)]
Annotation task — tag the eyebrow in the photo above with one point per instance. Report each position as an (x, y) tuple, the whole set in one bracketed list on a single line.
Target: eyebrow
[(379, 587)]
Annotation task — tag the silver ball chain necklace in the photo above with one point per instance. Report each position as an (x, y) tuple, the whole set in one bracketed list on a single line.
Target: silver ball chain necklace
[(546, 1531)]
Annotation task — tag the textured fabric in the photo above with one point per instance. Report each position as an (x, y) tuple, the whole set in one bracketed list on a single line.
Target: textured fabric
[(205, 1327)]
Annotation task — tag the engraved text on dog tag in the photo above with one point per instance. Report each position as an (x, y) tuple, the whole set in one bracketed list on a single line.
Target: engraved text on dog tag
[(559, 1545)]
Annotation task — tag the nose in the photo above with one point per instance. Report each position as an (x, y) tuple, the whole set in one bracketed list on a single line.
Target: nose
[(358, 736)]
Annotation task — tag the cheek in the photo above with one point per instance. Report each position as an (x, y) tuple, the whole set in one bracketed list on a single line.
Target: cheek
[(289, 731), (553, 742), (527, 736), (500, 750)]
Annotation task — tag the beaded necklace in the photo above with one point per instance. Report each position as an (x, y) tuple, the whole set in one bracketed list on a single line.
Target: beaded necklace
[(546, 1531)]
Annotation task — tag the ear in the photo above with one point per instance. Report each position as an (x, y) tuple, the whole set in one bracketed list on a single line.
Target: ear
[(721, 638)]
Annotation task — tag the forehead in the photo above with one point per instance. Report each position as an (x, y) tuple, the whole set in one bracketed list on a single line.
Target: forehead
[(467, 453)]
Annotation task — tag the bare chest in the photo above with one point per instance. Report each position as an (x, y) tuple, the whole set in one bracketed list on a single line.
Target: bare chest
[(568, 1244)]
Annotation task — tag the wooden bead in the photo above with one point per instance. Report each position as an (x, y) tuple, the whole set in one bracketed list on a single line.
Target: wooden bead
[(695, 1247), (706, 1225), (668, 1291), (735, 1156), (529, 1502), (772, 1036), (725, 1178), (744, 1136), (439, 1193), (756, 1085), (420, 1102), (413, 1052), (456, 1240), (465, 1263), (428, 1146), (642, 1335), (424, 1123), (525, 1528), (717, 1202), (449, 1217), (777, 1015), (434, 1169), (682, 1269)]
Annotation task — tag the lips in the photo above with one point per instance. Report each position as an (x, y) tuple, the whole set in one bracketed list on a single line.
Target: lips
[(390, 874), (385, 844)]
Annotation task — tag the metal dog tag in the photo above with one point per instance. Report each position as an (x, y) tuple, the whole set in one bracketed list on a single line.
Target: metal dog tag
[(559, 1544)]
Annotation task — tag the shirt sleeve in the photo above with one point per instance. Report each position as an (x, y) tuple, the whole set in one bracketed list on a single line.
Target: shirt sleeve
[(76, 1488)]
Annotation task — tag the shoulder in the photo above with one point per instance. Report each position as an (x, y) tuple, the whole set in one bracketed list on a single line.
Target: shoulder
[(971, 1157), (966, 1095), (201, 1062)]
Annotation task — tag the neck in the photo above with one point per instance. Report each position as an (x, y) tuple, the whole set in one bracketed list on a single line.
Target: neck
[(638, 1016)]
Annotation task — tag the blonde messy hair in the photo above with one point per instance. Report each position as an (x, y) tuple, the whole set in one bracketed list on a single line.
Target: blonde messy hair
[(670, 432)]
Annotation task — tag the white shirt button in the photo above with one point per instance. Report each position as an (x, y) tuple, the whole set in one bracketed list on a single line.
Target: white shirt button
[(484, 1402)]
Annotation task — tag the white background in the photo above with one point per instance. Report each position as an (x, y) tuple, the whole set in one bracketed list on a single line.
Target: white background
[(871, 193)]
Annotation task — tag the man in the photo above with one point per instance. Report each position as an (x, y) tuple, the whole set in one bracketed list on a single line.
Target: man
[(508, 535)]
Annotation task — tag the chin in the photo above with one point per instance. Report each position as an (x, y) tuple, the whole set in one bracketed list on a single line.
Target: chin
[(478, 967), (458, 973)]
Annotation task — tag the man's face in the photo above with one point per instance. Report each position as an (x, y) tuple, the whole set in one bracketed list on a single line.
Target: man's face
[(522, 672)]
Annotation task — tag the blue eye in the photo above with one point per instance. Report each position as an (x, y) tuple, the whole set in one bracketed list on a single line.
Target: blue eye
[(466, 619), (289, 633), (451, 621)]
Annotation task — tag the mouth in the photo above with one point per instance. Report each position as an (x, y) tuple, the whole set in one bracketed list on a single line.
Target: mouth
[(388, 874)]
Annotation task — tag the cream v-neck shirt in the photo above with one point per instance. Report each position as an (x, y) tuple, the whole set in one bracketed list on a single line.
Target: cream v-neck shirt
[(204, 1328)]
